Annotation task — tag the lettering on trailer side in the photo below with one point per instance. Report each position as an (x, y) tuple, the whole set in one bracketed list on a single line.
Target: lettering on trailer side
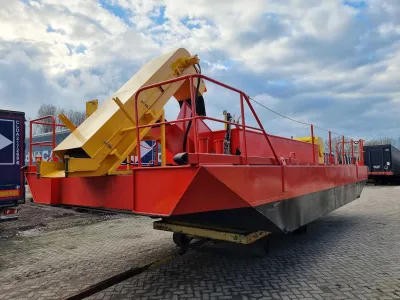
[(17, 136)]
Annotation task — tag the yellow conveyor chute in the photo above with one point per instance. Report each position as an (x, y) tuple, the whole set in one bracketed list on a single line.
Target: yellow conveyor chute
[(100, 144), (317, 141)]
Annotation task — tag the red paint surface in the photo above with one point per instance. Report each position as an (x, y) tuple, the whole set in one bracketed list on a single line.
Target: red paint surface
[(111, 192), (165, 191), (209, 182), (381, 173)]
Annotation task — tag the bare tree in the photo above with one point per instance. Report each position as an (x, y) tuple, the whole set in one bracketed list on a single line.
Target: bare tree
[(76, 117), (46, 110), (350, 149), (397, 143), (337, 141), (381, 141)]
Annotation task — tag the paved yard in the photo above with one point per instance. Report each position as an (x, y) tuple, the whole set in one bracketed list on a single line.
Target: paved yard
[(352, 253), (55, 264)]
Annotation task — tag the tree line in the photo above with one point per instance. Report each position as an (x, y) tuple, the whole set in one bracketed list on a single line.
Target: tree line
[(76, 117), (347, 146)]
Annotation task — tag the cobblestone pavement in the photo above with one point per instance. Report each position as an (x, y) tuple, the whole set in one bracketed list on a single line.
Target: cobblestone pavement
[(55, 264), (353, 253)]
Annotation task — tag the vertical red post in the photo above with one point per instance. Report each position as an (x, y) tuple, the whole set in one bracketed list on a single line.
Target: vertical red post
[(137, 130), (343, 150), (352, 152), (330, 148), (30, 143), (243, 128), (194, 120), (313, 143), (336, 154)]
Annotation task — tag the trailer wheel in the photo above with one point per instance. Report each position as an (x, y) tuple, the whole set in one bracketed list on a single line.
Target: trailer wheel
[(181, 239), (260, 248)]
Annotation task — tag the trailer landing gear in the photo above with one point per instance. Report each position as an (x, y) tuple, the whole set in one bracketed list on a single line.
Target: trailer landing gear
[(184, 233), (260, 248), (182, 241)]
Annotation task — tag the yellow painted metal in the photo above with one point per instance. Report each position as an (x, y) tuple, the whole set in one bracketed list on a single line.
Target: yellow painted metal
[(67, 122), (317, 141), (151, 138), (121, 172), (183, 63), (163, 152), (50, 169), (115, 152), (91, 107), (225, 119), (128, 129), (83, 164), (110, 128), (126, 112), (222, 234)]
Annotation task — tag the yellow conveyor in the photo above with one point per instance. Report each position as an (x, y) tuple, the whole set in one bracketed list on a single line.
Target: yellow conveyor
[(101, 143)]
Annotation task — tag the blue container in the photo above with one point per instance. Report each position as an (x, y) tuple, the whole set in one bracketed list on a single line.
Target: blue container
[(12, 136)]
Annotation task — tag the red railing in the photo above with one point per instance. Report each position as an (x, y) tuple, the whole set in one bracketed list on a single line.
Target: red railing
[(245, 128), (243, 97), (51, 143), (349, 156)]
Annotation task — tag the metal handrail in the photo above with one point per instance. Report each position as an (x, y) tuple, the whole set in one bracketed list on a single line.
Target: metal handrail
[(51, 143), (351, 152), (194, 117)]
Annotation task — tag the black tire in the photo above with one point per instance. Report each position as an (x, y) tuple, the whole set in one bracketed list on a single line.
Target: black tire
[(181, 239), (260, 248)]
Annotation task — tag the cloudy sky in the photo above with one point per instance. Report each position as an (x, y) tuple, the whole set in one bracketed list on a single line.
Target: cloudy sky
[(334, 63)]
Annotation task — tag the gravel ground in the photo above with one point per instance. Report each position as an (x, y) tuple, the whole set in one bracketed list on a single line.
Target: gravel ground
[(36, 218)]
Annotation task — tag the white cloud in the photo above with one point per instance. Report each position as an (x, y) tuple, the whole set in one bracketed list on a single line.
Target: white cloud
[(321, 61)]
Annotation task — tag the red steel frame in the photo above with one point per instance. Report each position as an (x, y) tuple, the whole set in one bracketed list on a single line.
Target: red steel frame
[(282, 178), (194, 117), (51, 143), (243, 97), (352, 143)]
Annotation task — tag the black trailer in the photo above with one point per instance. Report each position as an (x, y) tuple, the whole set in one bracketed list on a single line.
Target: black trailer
[(383, 162), (12, 148)]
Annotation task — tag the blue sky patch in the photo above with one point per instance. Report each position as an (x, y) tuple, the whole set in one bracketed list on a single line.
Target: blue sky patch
[(158, 15), (356, 4), (116, 10)]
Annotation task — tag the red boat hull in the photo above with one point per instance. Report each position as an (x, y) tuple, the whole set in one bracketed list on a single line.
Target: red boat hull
[(243, 197)]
